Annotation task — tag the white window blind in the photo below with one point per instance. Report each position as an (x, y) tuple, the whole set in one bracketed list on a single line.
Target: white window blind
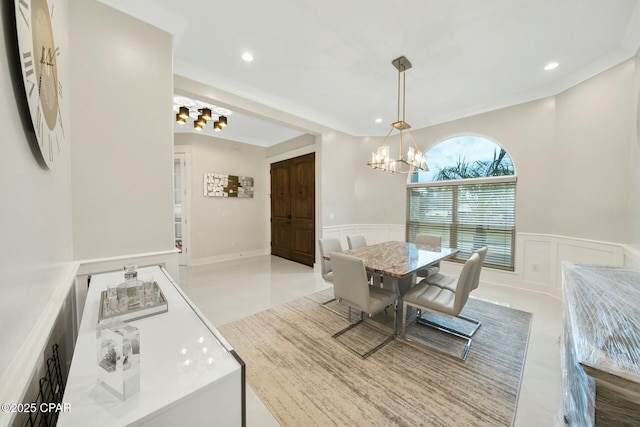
[(467, 214)]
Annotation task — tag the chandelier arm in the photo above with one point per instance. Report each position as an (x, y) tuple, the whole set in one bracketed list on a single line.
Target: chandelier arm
[(415, 144), (385, 138)]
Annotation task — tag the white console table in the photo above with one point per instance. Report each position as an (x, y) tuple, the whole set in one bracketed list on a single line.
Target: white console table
[(189, 374)]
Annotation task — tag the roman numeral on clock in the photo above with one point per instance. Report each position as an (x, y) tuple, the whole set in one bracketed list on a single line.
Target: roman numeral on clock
[(61, 127), (27, 59), (39, 124), (24, 11)]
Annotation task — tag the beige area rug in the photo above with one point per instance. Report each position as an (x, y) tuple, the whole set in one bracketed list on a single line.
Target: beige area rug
[(305, 377)]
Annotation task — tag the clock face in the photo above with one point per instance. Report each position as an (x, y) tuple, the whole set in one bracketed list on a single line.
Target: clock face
[(39, 57)]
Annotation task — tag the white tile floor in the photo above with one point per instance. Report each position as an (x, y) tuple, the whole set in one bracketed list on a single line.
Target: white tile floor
[(232, 290)]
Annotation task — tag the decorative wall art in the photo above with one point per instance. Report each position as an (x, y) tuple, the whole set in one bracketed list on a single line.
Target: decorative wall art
[(220, 185)]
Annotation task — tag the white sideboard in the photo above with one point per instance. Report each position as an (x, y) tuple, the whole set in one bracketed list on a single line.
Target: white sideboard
[(189, 374)]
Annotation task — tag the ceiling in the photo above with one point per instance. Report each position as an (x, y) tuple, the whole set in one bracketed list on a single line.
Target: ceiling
[(330, 61)]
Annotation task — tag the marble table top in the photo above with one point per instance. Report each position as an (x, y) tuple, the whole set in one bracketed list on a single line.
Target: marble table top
[(399, 259)]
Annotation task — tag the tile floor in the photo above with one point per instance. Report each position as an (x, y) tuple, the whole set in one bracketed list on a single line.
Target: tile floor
[(232, 290)]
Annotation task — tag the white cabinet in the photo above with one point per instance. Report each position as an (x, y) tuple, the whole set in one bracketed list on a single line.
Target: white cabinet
[(189, 374)]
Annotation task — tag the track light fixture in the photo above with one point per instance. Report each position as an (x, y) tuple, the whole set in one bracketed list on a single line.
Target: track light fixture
[(200, 113), (206, 113), (201, 121)]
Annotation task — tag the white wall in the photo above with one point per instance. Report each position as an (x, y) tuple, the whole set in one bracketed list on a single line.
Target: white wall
[(224, 228), (592, 149), (122, 127), (35, 212), (379, 197), (338, 170), (634, 161)]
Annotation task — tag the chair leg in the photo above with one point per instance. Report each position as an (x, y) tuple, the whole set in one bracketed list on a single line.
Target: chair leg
[(353, 325), (420, 320), (471, 320), (326, 305), (423, 321), (403, 330)]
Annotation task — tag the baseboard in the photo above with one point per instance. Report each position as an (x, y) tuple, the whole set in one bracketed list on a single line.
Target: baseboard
[(631, 256), (230, 257)]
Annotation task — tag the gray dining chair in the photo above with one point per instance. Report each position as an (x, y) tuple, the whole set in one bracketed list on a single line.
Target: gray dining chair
[(443, 302), (449, 282), (350, 286), (431, 241), (356, 241), (326, 247)]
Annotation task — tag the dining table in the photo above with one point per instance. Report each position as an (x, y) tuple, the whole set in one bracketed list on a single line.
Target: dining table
[(395, 264)]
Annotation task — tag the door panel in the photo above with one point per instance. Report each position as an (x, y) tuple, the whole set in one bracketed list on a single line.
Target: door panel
[(281, 238), (281, 209), (293, 209)]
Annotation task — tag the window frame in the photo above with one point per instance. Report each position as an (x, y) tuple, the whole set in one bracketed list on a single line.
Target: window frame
[(453, 229)]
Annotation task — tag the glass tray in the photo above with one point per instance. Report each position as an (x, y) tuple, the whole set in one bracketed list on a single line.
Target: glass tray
[(134, 310)]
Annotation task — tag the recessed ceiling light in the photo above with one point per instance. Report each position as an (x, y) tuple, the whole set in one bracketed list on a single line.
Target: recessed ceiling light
[(551, 66), (378, 120), (247, 57)]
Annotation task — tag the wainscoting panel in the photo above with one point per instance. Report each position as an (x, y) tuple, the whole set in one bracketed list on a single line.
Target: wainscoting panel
[(538, 256)]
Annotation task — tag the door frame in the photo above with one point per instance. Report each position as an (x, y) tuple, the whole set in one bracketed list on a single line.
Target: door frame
[(184, 152)]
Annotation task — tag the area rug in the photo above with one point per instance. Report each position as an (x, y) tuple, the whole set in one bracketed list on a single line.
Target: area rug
[(305, 377)]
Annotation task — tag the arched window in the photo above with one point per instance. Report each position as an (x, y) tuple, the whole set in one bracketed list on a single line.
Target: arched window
[(468, 198)]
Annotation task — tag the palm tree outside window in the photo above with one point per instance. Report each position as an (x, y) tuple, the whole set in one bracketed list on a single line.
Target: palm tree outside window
[(467, 198)]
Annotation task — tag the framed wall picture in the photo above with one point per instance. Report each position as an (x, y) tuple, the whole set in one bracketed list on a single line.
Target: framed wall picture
[(220, 185)]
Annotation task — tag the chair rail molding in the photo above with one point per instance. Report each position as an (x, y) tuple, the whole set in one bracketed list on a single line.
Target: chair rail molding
[(538, 256)]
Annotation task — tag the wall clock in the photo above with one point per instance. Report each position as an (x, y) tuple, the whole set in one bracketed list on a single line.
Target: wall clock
[(40, 59)]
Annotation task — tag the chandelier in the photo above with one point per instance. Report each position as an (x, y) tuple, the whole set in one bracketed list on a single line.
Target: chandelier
[(382, 158)]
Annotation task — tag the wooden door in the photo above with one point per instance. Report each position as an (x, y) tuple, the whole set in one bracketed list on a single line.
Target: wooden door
[(293, 209)]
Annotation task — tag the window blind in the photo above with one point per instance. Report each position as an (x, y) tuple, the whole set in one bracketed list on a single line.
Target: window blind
[(467, 216)]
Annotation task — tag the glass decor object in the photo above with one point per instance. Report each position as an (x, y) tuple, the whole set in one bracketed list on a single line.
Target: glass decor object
[(132, 299), (118, 358)]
